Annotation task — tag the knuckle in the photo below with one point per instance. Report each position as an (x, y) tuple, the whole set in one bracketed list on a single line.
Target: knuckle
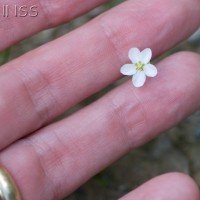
[(37, 88), (129, 115)]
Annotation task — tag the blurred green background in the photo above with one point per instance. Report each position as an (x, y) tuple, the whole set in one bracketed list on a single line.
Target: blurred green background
[(176, 150)]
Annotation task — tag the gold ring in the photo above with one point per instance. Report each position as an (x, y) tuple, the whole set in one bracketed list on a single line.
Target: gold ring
[(8, 188)]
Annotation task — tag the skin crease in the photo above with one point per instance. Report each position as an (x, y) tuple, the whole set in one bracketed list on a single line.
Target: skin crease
[(44, 83)]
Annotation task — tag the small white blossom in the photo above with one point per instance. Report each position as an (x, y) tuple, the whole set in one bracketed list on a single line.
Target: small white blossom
[(140, 67)]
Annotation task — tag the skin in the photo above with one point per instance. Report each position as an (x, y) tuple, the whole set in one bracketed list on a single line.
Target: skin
[(49, 161)]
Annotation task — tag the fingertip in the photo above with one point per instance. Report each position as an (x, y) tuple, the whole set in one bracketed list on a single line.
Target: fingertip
[(184, 184), (173, 186)]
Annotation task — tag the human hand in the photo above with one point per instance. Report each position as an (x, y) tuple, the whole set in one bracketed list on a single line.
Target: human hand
[(51, 161)]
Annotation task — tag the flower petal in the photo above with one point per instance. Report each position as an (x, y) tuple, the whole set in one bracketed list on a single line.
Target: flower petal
[(146, 55), (139, 79), (150, 70), (134, 55), (128, 69)]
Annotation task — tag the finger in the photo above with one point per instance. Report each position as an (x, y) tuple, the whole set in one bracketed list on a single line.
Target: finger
[(173, 186), (66, 154), (53, 78), (34, 16)]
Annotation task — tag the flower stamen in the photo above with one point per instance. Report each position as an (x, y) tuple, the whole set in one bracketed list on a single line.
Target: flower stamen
[(139, 66)]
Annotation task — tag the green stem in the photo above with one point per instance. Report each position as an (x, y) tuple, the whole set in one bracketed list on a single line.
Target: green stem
[(4, 56)]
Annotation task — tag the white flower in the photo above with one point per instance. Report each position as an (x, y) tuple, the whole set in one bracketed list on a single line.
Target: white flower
[(140, 67)]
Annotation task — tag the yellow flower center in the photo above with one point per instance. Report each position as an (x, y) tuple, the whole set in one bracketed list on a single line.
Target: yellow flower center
[(139, 66)]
